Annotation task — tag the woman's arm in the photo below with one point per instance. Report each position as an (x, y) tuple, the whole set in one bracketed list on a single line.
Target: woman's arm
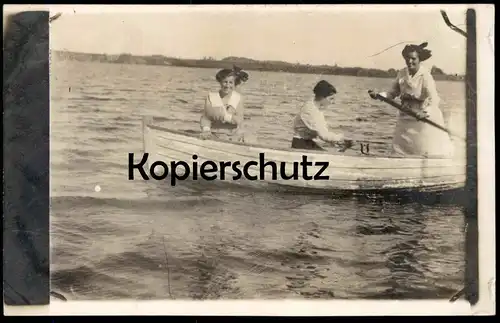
[(430, 90), (328, 136), (316, 122)]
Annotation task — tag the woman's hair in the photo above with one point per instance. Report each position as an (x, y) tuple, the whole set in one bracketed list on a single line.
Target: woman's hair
[(324, 89), (423, 54), (238, 73)]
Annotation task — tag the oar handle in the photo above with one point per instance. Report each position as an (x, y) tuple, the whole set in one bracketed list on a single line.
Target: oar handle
[(395, 104), (410, 112)]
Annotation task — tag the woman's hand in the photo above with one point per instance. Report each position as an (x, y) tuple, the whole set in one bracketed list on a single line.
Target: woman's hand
[(228, 116), (342, 145), (230, 109), (373, 94), (406, 96), (347, 143), (422, 115), (410, 97)]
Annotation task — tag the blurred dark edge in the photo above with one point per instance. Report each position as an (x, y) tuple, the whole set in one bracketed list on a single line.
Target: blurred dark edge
[(26, 266), (471, 238)]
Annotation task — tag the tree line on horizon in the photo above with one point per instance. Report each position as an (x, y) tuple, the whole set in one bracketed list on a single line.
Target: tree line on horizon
[(244, 63)]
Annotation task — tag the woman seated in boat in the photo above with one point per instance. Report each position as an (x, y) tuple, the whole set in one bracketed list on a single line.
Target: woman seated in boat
[(415, 86), (225, 109), (310, 122)]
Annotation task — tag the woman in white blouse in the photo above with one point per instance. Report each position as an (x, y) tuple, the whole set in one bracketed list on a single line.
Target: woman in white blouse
[(224, 109), (415, 86), (310, 123)]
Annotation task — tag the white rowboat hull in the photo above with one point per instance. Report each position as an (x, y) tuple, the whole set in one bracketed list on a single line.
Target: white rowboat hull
[(345, 171)]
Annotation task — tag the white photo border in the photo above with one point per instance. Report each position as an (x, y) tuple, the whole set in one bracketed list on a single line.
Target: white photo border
[(486, 202)]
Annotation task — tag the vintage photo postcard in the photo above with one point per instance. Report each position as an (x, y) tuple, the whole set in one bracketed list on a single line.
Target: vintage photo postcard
[(271, 160)]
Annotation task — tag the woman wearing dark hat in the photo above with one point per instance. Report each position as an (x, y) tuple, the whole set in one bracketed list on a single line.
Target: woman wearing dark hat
[(415, 86), (224, 109), (310, 122)]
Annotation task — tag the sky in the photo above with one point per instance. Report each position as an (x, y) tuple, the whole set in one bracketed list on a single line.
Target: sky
[(343, 35)]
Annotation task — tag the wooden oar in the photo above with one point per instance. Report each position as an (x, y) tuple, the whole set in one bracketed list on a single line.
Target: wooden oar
[(413, 114)]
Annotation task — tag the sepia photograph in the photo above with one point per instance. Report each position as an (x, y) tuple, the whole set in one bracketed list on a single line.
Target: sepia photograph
[(266, 153)]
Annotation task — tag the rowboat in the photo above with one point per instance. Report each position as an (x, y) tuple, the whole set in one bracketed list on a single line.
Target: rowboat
[(346, 171)]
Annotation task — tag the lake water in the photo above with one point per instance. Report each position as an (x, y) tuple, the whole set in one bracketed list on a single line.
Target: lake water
[(115, 238)]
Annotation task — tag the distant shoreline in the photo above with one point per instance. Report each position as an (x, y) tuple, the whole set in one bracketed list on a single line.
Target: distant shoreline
[(244, 63)]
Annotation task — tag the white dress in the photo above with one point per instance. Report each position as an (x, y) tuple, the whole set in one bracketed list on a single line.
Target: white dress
[(413, 137)]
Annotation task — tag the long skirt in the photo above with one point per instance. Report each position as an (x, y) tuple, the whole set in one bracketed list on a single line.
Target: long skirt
[(413, 137)]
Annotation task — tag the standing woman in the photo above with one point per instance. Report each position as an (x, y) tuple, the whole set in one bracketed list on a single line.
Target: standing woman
[(416, 87), (225, 109)]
